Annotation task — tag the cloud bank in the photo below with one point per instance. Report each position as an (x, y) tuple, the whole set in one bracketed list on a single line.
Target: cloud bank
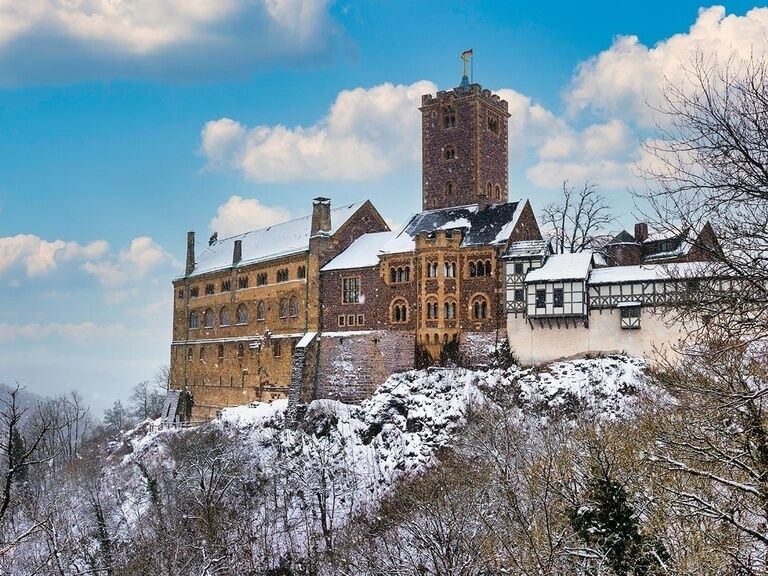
[(44, 41)]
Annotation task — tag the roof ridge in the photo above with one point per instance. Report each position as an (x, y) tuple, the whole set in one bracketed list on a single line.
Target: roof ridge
[(348, 205)]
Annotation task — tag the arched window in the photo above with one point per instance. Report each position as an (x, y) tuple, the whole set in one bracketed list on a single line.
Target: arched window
[(283, 308), (449, 117), (293, 307), (436, 339), (445, 338), (450, 310), (498, 192), (407, 273), (449, 152), (261, 312), (392, 275), (282, 275), (479, 308), (240, 350), (302, 273), (431, 310), (432, 269), (450, 269), (399, 310), (242, 314), (489, 188), (472, 269), (193, 320), (487, 268), (224, 317), (208, 318)]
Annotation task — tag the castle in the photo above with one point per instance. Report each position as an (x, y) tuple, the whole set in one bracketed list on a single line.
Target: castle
[(329, 305)]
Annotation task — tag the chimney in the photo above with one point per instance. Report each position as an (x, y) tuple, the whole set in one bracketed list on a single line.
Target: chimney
[(190, 253), (641, 231), (321, 216), (237, 252)]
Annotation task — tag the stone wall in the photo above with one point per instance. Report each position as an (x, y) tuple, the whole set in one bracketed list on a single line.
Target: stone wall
[(475, 348), (352, 366)]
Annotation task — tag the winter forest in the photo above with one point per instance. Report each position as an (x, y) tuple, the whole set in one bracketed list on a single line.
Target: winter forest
[(598, 466)]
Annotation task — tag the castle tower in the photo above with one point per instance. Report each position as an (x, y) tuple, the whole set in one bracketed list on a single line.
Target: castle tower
[(464, 147)]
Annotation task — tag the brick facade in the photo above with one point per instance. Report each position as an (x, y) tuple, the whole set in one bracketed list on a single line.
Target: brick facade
[(464, 148)]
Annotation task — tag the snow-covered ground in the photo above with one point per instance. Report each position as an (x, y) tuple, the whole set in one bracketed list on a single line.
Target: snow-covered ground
[(399, 431)]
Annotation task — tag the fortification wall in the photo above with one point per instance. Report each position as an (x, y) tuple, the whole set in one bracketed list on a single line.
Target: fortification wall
[(352, 365)]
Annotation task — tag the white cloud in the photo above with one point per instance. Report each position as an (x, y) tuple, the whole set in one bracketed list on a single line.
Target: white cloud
[(366, 133), (238, 215), (623, 79), (38, 256), (130, 265), (53, 40)]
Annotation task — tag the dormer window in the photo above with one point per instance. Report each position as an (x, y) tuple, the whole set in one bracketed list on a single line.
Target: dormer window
[(449, 153), (449, 117)]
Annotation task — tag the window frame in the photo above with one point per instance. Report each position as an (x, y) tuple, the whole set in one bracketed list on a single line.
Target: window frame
[(350, 295)]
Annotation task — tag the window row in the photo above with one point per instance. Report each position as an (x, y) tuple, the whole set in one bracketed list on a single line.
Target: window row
[(449, 269), (449, 310), (241, 347), (262, 279), (287, 308), (351, 320), (435, 338), (558, 298), (400, 274), (480, 268)]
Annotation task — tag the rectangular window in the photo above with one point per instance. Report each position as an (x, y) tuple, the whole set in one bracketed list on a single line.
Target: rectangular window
[(208, 289), (276, 349), (221, 352), (541, 298), (225, 286), (519, 294), (351, 290), (558, 297), (242, 282), (189, 353), (518, 267), (350, 320), (181, 294), (630, 317), (360, 319), (342, 320), (194, 292)]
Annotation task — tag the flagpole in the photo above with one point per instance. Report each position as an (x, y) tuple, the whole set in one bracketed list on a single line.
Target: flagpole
[(472, 69)]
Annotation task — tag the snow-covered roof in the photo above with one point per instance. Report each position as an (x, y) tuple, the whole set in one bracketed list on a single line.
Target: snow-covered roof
[(647, 272), (527, 248), (274, 241), (362, 253), (562, 267), (493, 225)]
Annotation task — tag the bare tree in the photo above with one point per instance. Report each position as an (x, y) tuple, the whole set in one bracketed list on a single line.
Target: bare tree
[(709, 164), (580, 216), (146, 399)]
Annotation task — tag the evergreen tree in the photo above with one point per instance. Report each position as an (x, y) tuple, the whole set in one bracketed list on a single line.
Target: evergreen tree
[(608, 522)]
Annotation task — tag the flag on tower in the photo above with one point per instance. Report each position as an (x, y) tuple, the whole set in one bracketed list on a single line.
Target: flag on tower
[(466, 55)]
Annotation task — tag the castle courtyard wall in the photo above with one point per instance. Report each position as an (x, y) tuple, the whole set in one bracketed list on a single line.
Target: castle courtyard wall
[(539, 343)]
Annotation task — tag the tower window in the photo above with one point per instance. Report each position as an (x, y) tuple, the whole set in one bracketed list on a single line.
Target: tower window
[(449, 117), (493, 124), (449, 153), (479, 308), (498, 192), (449, 188)]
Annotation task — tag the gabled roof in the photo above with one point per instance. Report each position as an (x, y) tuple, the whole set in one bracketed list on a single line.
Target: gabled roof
[(362, 253), (562, 267), (479, 227), (623, 237), (528, 248), (276, 241)]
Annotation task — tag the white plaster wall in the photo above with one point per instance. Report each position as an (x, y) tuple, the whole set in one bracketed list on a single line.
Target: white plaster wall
[(542, 345)]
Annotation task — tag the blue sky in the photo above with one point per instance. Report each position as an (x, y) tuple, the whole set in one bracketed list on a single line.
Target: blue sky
[(121, 131)]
